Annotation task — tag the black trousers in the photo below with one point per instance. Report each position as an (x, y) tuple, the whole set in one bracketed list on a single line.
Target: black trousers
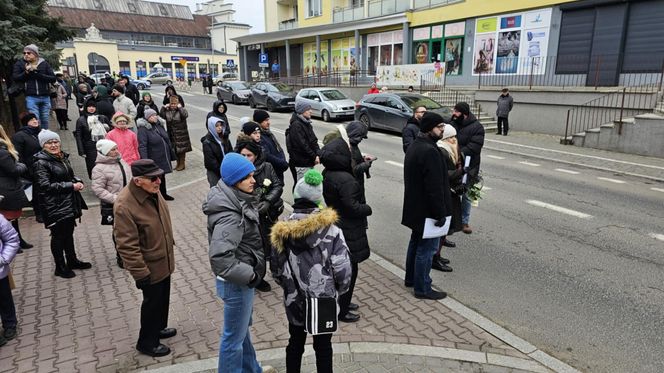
[(62, 241), (61, 115), (154, 312), (7, 309), (162, 186), (295, 349), (347, 297), (503, 125)]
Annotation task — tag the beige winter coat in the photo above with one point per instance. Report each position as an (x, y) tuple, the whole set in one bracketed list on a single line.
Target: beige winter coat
[(107, 178)]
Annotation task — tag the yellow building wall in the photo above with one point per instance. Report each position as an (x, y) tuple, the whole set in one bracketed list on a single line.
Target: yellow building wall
[(108, 50), (324, 19), (271, 23), (476, 8)]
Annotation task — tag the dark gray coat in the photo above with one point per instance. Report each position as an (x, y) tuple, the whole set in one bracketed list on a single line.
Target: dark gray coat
[(153, 143), (236, 247), (504, 106)]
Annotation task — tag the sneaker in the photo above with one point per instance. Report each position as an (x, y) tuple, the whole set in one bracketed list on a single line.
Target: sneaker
[(433, 295), (466, 229)]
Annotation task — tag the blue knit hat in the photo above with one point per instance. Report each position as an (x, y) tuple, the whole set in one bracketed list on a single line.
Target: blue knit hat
[(234, 168)]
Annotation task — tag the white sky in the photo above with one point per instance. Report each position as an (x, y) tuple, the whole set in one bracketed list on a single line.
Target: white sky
[(246, 11)]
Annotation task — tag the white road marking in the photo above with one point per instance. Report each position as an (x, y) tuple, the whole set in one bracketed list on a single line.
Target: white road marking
[(394, 163), (495, 157), (577, 154), (558, 209), (186, 94), (530, 163), (567, 171), (486, 188), (657, 189), (611, 180), (657, 236)]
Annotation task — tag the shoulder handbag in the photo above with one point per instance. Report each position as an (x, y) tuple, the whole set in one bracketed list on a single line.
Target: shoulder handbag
[(321, 313), (107, 217)]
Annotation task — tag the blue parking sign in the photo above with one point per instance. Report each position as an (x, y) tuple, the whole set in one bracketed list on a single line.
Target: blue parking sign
[(262, 58)]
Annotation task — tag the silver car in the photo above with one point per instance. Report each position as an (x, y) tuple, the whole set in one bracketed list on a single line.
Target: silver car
[(327, 103), (159, 78)]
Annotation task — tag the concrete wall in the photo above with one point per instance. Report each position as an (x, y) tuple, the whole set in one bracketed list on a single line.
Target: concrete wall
[(644, 137), (544, 111)]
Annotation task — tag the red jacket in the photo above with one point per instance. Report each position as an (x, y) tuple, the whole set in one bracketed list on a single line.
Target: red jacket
[(373, 90)]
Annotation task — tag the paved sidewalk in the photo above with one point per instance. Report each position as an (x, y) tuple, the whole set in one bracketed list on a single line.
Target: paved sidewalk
[(90, 323)]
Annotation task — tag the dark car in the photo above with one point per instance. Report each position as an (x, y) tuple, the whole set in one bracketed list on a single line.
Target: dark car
[(274, 96), (237, 92), (390, 111)]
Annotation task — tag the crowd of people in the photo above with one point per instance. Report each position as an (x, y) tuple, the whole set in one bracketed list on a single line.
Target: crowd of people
[(314, 253)]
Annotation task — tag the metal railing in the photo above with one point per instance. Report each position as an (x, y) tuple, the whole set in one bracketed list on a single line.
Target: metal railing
[(450, 97), (340, 15), (288, 24), (378, 8), (563, 71), (611, 108), (418, 4), (340, 78)]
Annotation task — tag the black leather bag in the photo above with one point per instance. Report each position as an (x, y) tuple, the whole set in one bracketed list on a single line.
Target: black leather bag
[(107, 213)]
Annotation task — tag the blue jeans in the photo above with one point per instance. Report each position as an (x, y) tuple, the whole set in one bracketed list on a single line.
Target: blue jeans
[(41, 107), (465, 209), (236, 353), (418, 262)]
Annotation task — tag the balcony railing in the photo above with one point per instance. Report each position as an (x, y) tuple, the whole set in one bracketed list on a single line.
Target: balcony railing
[(348, 14), (378, 8), (288, 25), (434, 3)]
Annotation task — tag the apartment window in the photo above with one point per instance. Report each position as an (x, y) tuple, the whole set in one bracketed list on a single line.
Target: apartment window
[(314, 8)]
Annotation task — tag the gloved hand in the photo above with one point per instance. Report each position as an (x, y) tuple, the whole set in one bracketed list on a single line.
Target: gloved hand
[(263, 207), (439, 223), (143, 283), (21, 168)]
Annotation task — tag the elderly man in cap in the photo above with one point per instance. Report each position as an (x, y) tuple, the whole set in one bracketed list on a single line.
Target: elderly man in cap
[(301, 142), (144, 238), (470, 135), (426, 195), (34, 75)]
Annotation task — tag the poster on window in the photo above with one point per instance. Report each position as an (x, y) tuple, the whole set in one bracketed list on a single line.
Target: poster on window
[(453, 52), (535, 48), (484, 54), (421, 50), (507, 59)]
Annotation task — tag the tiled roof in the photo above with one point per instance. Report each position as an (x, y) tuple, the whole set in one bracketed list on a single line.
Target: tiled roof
[(111, 21)]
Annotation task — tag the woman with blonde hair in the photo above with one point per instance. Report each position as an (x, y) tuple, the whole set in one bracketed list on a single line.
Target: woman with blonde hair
[(454, 158), (11, 187)]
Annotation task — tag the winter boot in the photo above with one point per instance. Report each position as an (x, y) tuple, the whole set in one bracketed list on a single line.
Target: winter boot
[(62, 270), (73, 262), (23, 244), (180, 164)]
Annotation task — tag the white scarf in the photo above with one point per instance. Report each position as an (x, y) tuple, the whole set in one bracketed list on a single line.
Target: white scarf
[(97, 128)]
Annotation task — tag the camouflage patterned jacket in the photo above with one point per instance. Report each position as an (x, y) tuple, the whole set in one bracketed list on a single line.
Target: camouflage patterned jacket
[(317, 253)]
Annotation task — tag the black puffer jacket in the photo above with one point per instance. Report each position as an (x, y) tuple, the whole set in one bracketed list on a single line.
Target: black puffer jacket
[(176, 126), (409, 133), (26, 144), (85, 144), (301, 142), (35, 83), (55, 180), (470, 134), (132, 93), (212, 154), (10, 183), (270, 193), (142, 106), (342, 192)]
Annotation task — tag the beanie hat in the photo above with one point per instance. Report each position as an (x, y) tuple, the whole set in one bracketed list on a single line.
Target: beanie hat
[(148, 113), (31, 48), (234, 168), (310, 187), (250, 145), (250, 127), (449, 132), (104, 146), (260, 116), (119, 88), (120, 115), (28, 116), (46, 136), (462, 108), (429, 121), (301, 107), (90, 102)]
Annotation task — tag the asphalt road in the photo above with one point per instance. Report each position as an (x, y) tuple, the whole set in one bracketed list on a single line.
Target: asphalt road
[(569, 259)]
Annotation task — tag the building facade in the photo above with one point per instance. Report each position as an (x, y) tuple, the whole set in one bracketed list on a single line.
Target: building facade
[(396, 41), (136, 37)]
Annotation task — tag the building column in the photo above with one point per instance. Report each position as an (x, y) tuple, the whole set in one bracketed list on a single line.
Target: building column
[(288, 72), (318, 53), (358, 50), (243, 63), (407, 44)]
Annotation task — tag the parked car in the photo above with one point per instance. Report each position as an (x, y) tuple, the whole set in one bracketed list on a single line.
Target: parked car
[(98, 76), (141, 84), (159, 78), (219, 79), (327, 103), (274, 96), (237, 92), (390, 111)]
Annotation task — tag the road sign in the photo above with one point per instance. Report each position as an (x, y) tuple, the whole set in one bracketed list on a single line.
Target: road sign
[(230, 64), (262, 60)]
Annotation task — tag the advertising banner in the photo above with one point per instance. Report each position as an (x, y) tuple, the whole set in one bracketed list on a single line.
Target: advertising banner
[(507, 58), (486, 25), (404, 75), (535, 48), (484, 54), (455, 29)]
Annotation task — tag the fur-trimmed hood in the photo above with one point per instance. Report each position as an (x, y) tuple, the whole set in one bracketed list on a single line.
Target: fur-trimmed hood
[(144, 123), (301, 226)]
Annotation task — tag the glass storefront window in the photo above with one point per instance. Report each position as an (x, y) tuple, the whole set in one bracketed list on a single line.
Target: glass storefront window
[(141, 71), (191, 71), (125, 68)]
